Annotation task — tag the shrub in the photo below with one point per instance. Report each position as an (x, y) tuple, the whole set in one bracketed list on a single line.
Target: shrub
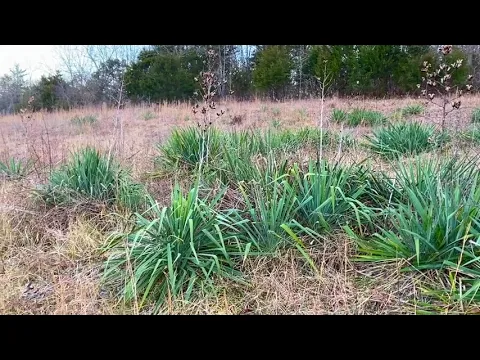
[(404, 138), (174, 250), (84, 120), (452, 76), (365, 117), (91, 176), (476, 115)]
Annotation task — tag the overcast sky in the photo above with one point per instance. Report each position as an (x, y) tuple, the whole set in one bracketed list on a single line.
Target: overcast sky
[(36, 59)]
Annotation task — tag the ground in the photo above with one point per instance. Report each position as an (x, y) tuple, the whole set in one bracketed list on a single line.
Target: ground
[(50, 261)]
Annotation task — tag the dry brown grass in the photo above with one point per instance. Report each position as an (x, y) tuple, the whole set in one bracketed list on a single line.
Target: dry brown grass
[(21, 138), (56, 278), (285, 284), (50, 261)]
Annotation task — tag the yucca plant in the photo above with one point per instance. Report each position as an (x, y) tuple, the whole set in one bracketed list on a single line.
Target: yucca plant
[(268, 198), (189, 146), (255, 142), (476, 115), (413, 109), (84, 120), (175, 250), (244, 142), (405, 139), (435, 220), (231, 168), (329, 195), (472, 134), (422, 174), (365, 117), (312, 136), (266, 142), (91, 176), (148, 115), (184, 147), (268, 207), (386, 190), (346, 139), (15, 169), (236, 166), (339, 116), (276, 141), (465, 286), (396, 115), (433, 229), (128, 193)]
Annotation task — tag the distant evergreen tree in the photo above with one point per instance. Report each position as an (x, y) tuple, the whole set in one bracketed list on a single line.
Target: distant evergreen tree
[(272, 72), (50, 93), (160, 76)]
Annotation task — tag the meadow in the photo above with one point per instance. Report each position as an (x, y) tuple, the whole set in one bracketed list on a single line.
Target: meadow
[(141, 211)]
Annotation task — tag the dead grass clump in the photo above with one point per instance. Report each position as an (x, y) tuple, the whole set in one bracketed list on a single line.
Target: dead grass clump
[(237, 119), (35, 225), (287, 285), (63, 278), (50, 260)]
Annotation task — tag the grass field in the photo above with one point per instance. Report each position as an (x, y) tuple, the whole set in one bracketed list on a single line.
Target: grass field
[(385, 219)]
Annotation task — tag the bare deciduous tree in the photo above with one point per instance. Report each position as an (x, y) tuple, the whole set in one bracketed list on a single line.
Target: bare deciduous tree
[(80, 61), (12, 89)]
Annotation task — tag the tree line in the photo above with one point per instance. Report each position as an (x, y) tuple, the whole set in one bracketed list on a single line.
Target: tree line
[(114, 74)]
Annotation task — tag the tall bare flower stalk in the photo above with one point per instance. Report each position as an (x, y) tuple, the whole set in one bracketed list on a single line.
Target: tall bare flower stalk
[(203, 109), (324, 81)]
